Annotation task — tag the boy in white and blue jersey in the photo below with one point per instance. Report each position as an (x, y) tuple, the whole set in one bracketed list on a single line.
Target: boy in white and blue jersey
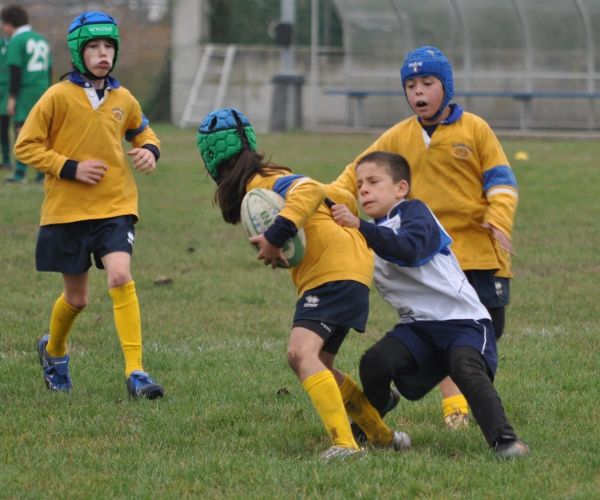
[(444, 329), (461, 172)]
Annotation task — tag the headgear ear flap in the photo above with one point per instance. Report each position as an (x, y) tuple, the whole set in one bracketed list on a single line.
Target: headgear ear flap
[(222, 134)]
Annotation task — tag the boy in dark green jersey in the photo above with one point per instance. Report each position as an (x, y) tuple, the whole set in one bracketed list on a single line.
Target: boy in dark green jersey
[(4, 118), (29, 72)]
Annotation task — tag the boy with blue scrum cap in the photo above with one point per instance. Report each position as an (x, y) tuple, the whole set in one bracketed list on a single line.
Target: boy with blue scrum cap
[(74, 135), (461, 172)]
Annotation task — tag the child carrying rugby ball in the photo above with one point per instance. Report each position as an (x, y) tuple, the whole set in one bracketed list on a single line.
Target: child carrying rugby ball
[(332, 279)]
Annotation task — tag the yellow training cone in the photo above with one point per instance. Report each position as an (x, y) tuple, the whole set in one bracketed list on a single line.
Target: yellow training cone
[(522, 155)]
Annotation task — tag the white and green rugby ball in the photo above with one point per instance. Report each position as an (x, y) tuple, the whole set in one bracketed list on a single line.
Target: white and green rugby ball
[(258, 211)]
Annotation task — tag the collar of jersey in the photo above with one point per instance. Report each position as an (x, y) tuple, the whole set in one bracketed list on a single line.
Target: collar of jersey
[(395, 209), (21, 29), (455, 113), (77, 79)]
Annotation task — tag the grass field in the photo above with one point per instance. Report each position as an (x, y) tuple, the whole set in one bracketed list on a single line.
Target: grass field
[(216, 338)]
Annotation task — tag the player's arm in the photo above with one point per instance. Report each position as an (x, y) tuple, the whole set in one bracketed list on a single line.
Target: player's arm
[(347, 179), (31, 148), (14, 86), (415, 242), (303, 196), (31, 143), (146, 146), (87, 171), (500, 189)]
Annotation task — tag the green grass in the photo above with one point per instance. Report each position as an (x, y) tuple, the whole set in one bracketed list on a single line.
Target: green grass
[(216, 338)]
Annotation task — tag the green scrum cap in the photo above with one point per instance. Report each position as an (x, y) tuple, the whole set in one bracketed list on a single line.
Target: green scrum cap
[(222, 134), (86, 27)]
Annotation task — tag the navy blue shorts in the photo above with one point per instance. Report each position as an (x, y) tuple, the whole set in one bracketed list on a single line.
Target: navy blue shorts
[(492, 290), (330, 310), (430, 341), (333, 335), (341, 303), (68, 248)]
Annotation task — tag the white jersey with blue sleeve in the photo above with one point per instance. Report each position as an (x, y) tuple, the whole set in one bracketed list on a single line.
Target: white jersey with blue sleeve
[(415, 271)]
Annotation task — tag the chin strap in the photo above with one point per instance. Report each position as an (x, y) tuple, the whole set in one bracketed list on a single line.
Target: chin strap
[(91, 76)]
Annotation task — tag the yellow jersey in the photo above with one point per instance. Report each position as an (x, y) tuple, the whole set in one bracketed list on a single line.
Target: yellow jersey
[(463, 175), (65, 125), (332, 253)]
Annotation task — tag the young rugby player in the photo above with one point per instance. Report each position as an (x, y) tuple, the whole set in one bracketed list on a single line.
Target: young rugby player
[(332, 279), (74, 135), (444, 328)]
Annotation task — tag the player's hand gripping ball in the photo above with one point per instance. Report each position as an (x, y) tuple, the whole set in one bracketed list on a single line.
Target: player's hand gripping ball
[(258, 211)]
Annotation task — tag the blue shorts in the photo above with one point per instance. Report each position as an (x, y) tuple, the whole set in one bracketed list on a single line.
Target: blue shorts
[(492, 290), (430, 341), (341, 303), (67, 248), (330, 310)]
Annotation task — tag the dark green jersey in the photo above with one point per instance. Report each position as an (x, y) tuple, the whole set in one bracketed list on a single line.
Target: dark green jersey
[(30, 51), (3, 75), (3, 65)]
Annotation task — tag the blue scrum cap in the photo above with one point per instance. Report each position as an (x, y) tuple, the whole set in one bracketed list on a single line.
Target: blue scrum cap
[(429, 61)]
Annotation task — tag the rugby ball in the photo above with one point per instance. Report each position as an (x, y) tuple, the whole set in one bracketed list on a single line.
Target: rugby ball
[(258, 211)]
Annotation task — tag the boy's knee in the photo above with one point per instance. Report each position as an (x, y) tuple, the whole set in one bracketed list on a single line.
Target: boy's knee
[(118, 278), (292, 359), (466, 364), (295, 357), (369, 361), (375, 365), (78, 301)]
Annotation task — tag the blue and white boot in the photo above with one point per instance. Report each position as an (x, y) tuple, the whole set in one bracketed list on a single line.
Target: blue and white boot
[(140, 384), (56, 370)]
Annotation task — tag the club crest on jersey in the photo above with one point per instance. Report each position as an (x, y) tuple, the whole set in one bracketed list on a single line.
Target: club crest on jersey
[(311, 301), (461, 151), (118, 113)]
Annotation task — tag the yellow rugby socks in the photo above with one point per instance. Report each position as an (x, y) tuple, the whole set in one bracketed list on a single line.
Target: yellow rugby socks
[(455, 404), (327, 400), (364, 414), (61, 320), (126, 310)]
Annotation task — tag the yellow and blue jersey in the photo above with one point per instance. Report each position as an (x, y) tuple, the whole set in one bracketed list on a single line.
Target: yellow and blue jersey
[(333, 252), (70, 122), (463, 175)]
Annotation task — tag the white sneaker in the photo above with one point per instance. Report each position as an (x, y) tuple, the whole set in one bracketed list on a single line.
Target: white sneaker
[(400, 441), (341, 453)]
